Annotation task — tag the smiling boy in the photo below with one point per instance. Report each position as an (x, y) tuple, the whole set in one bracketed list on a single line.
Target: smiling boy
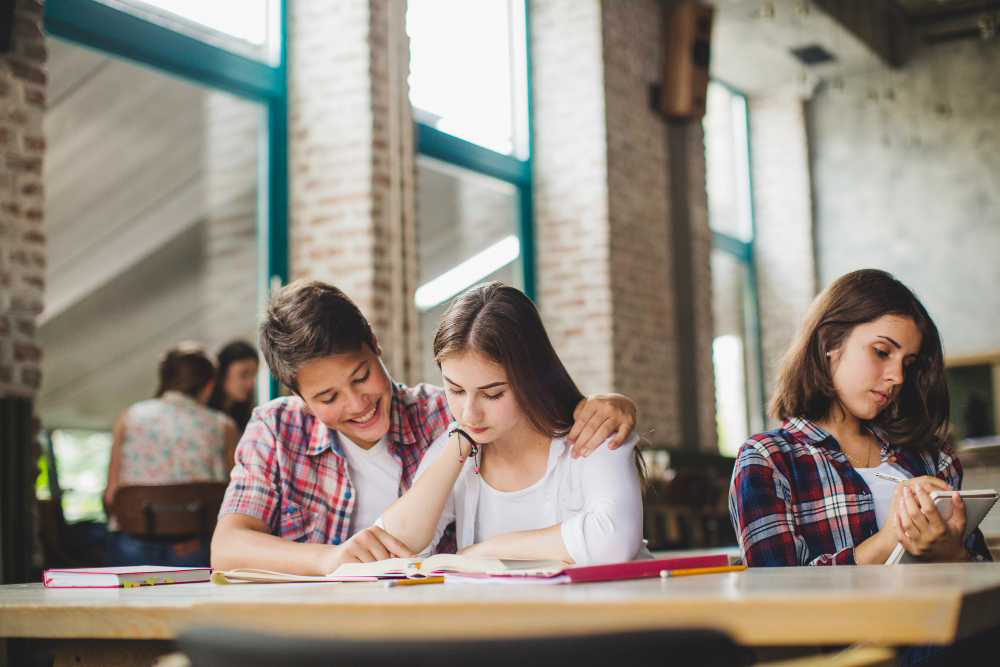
[(315, 470)]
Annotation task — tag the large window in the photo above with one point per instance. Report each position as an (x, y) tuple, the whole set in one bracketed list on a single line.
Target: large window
[(166, 186), (473, 171), (736, 344)]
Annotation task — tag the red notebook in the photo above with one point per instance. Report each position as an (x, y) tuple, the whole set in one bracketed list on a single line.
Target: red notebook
[(127, 577), (576, 574)]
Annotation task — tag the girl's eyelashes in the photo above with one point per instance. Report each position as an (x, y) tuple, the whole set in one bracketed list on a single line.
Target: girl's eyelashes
[(880, 352), (493, 397), (362, 379), (456, 392), (489, 397)]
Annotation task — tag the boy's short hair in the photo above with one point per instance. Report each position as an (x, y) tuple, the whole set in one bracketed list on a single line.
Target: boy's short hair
[(309, 320)]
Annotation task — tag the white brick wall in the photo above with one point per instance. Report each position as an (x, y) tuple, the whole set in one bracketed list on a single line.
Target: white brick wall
[(351, 155), (22, 239), (783, 223)]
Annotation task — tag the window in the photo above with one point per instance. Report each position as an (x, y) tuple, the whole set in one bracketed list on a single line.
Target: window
[(473, 171), (736, 344), (480, 97), (247, 26)]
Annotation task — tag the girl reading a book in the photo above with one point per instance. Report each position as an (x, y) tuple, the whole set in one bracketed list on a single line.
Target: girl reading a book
[(504, 473), (864, 402)]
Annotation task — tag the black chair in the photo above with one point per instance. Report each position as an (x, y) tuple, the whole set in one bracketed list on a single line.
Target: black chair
[(226, 647)]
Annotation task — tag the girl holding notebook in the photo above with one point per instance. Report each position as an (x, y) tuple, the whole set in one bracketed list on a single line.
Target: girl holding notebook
[(864, 403), (503, 472)]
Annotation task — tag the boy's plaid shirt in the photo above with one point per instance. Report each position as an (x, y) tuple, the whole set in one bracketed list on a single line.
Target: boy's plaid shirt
[(796, 500), (291, 472)]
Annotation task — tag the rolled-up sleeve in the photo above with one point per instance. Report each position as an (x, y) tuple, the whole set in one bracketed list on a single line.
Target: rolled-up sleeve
[(760, 506), (254, 484), (609, 527)]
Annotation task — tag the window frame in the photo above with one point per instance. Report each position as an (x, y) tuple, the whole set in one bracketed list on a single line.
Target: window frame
[(442, 146), (105, 28), (743, 250)]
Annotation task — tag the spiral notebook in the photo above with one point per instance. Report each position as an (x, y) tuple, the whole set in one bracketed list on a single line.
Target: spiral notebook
[(978, 504)]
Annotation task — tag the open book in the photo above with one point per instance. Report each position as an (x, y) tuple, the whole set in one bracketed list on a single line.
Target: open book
[(978, 504), (392, 568)]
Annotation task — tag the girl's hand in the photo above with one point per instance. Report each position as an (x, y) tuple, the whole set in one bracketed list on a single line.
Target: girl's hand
[(921, 530), (885, 540), (598, 417)]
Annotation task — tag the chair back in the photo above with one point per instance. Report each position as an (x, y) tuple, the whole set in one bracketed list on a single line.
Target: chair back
[(169, 510), (227, 647)]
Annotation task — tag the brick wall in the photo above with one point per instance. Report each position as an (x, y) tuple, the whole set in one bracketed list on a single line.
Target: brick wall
[(602, 211), (351, 161), (22, 238), (783, 223), (572, 229)]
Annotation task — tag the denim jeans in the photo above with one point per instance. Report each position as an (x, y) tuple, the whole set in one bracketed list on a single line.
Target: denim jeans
[(128, 550)]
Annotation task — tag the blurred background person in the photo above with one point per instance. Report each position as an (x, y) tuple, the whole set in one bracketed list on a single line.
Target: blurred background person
[(234, 389), (173, 438)]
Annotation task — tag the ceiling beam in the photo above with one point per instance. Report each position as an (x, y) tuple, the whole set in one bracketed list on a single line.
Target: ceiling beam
[(880, 24)]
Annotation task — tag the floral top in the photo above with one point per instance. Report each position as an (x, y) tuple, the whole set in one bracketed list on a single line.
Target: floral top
[(795, 499), (173, 439)]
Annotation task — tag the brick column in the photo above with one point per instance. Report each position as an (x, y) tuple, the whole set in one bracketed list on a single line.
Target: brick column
[(351, 154), (603, 212), (783, 223), (22, 239)]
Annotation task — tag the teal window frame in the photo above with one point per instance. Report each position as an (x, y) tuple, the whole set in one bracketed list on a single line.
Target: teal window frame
[(743, 250), (98, 26), (442, 146)]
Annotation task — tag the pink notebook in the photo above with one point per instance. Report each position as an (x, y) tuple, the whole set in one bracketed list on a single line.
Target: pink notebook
[(635, 569), (127, 577)]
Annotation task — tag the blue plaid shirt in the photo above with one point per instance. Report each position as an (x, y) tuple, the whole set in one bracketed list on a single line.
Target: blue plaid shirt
[(795, 499)]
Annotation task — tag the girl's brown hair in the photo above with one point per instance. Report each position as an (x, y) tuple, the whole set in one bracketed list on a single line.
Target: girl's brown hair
[(188, 368), (502, 324), (805, 385)]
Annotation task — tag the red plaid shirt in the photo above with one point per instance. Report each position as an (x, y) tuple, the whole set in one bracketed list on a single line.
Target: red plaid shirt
[(292, 474), (795, 499)]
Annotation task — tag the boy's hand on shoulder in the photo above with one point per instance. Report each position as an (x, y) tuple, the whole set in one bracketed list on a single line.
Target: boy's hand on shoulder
[(598, 417), (365, 546)]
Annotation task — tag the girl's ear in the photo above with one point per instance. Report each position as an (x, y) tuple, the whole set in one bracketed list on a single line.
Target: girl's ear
[(833, 356)]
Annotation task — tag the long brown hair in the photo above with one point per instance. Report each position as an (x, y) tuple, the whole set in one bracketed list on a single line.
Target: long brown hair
[(805, 386), (502, 324)]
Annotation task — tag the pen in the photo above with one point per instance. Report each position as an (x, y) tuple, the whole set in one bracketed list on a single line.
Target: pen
[(413, 582), (889, 477), (701, 570)]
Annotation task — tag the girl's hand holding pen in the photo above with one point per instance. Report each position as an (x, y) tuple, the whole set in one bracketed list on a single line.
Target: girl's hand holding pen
[(922, 531)]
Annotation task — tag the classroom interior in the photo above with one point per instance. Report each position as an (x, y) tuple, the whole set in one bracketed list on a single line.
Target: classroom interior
[(167, 163)]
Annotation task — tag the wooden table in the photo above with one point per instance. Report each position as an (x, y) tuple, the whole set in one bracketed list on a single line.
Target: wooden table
[(898, 605)]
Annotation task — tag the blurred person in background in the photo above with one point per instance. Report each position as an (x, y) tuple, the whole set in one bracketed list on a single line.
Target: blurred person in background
[(174, 438), (234, 390)]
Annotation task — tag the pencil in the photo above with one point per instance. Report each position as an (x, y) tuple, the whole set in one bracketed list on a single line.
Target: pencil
[(889, 477), (414, 582), (702, 570)]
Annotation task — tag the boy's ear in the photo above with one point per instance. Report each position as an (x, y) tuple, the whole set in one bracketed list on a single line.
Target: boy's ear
[(378, 350)]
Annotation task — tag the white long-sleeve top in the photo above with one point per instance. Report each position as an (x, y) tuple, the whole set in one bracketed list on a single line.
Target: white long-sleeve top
[(597, 499)]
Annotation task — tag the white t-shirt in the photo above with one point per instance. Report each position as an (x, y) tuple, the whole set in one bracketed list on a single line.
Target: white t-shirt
[(882, 489), (375, 475), (597, 500), (501, 512)]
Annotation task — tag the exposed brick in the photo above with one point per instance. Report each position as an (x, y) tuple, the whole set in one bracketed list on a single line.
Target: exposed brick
[(17, 116), (34, 52), (27, 352), (4, 135), (31, 377), (33, 236), (6, 375), (36, 281), (34, 144), (35, 97), (4, 324), (30, 9), (6, 279), (32, 305), (28, 28), (34, 214), (31, 189), (10, 208), (26, 327), (20, 163)]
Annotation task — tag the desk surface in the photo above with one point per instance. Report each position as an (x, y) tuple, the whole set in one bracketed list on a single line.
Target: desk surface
[(902, 604)]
